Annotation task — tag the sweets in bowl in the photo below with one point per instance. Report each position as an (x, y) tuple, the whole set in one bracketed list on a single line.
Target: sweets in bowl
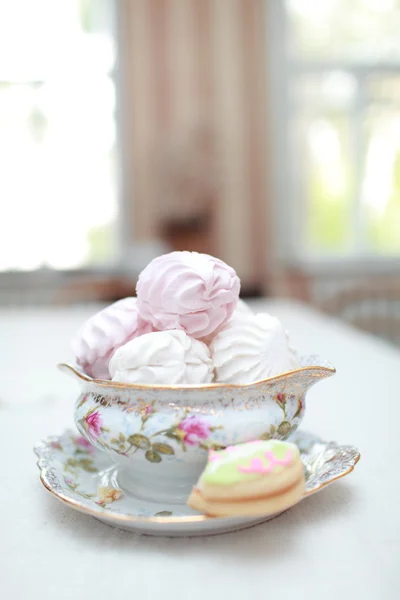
[(197, 295), (250, 479), (161, 434), (163, 410)]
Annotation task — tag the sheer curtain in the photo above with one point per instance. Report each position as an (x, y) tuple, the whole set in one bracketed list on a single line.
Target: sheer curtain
[(190, 65)]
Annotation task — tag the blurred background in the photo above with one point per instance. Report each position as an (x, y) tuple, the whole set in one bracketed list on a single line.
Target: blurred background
[(266, 132)]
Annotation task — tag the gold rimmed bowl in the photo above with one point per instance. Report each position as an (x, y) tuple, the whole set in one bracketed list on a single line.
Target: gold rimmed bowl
[(159, 435)]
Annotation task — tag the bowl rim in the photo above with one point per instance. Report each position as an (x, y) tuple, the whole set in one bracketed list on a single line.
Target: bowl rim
[(328, 370)]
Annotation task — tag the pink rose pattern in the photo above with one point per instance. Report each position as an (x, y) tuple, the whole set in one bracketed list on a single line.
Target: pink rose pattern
[(195, 430), (192, 432), (56, 445), (94, 423), (83, 442)]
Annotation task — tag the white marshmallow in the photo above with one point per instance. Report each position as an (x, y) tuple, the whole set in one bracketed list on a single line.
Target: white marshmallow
[(252, 348), (162, 357)]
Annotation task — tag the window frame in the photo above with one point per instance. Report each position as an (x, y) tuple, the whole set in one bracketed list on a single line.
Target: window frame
[(289, 242), (15, 281)]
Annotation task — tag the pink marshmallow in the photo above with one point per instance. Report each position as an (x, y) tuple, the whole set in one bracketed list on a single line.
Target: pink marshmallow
[(187, 290), (103, 333)]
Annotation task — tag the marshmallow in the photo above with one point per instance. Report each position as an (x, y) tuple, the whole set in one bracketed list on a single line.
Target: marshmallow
[(242, 310), (163, 357), (103, 333), (252, 348), (194, 292)]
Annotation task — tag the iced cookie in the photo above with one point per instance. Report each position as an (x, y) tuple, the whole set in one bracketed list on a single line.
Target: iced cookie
[(250, 479)]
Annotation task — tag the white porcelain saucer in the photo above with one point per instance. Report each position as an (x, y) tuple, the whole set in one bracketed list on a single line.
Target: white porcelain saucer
[(86, 479)]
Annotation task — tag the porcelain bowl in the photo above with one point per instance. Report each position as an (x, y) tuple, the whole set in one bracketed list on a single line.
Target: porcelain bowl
[(160, 435)]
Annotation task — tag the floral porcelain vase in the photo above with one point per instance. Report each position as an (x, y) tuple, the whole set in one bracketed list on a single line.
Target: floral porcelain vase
[(160, 435)]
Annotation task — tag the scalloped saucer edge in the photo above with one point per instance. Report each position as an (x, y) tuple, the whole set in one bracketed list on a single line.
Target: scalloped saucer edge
[(85, 479)]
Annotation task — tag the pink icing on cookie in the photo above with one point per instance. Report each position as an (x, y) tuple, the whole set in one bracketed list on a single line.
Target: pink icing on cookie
[(213, 456), (257, 465), (231, 449)]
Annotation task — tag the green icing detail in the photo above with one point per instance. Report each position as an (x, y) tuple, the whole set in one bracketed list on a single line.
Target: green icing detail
[(224, 471)]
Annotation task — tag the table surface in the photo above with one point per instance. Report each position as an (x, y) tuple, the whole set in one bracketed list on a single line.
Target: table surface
[(343, 542)]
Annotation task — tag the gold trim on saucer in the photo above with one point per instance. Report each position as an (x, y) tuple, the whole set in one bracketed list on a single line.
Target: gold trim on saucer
[(326, 483), (123, 518), (167, 520)]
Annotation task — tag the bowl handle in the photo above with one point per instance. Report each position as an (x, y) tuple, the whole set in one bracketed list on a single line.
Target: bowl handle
[(73, 372)]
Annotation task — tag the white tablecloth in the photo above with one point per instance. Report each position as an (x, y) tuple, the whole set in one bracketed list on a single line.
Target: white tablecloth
[(341, 543)]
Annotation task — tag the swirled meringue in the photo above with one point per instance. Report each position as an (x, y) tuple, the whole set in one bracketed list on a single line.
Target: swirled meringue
[(241, 311), (162, 357), (187, 290), (252, 348), (104, 332)]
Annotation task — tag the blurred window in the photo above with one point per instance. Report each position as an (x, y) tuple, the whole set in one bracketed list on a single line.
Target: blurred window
[(58, 192), (343, 111)]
